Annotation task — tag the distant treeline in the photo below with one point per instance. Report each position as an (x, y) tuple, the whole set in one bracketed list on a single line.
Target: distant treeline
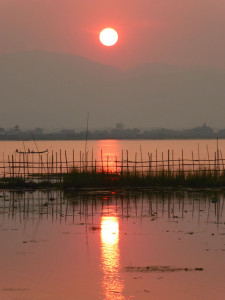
[(119, 132)]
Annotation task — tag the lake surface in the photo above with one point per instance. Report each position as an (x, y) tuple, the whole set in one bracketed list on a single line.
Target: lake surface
[(112, 245), (114, 148)]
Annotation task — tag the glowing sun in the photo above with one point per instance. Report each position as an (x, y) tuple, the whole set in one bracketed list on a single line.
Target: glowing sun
[(108, 37)]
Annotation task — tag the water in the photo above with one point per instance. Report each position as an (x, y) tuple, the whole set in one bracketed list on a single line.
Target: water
[(85, 245), (114, 148)]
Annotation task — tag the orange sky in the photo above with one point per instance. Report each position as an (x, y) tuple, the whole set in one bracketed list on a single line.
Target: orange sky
[(186, 32)]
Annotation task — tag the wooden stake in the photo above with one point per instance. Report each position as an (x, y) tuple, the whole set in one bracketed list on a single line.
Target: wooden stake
[(122, 164), (60, 157), (12, 166), (168, 162), (73, 160), (142, 167), (127, 162), (67, 169), (222, 159), (102, 161), (193, 161), (135, 163), (182, 160), (209, 163)]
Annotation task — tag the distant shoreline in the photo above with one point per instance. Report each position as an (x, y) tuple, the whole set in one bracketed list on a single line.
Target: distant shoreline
[(48, 138), (117, 133)]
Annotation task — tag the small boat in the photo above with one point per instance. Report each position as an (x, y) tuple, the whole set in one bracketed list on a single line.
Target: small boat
[(31, 152)]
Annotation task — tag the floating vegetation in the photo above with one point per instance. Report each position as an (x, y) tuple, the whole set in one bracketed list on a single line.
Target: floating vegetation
[(95, 228), (159, 269), (15, 290)]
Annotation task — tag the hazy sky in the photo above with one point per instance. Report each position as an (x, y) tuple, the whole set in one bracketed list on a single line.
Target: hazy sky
[(186, 32)]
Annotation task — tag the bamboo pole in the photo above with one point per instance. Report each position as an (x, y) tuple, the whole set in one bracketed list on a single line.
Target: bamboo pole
[(40, 157), (179, 166), (60, 158), (182, 160), (149, 163), (107, 164), (173, 160), (122, 164), (127, 161), (217, 153), (135, 163), (102, 161), (86, 161), (92, 160), (33, 164), (222, 159), (19, 164), (27, 160), (142, 167), (168, 161), (24, 166), (193, 161), (13, 167), (67, 169), (83, 162), (162, 162), (9, 166), (52, 163), (215, 162), (39, 165), (56, 162), (199, 157), (209, 163), (47, 165)]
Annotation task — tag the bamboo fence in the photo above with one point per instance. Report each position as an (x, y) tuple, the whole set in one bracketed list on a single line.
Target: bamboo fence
[(55, 164)]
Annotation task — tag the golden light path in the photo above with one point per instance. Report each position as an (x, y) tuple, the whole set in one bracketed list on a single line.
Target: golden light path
[(109, 155), (112, 285)]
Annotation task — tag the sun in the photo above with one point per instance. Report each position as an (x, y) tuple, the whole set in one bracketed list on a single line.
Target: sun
[(108, 37)]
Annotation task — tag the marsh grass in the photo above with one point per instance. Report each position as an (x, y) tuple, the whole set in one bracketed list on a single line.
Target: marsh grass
[(91, 179), (196, 179)]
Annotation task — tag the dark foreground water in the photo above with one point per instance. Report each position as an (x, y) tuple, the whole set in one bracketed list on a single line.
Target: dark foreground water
[(112, 245)]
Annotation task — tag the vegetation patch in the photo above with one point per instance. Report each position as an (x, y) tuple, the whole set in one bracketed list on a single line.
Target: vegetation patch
[(93, 179), (196, 179), (159, 269)]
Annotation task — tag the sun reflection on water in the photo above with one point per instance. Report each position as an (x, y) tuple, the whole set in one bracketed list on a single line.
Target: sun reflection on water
[(109, 154), (112, 285)]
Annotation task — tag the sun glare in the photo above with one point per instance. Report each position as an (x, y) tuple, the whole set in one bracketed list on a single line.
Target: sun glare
[(108, 37)]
